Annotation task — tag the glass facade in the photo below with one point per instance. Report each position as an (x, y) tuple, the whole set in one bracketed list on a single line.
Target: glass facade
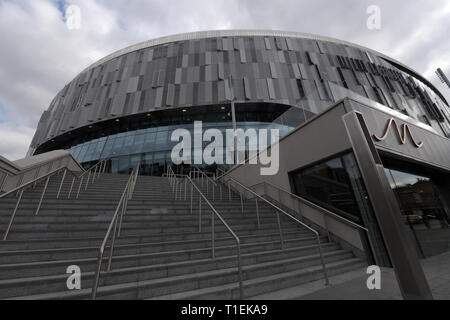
[(337, 184), (153, 146), (422, 211)]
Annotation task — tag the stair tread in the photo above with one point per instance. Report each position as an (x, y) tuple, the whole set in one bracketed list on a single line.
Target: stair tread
[(157, 239), (129, 285)]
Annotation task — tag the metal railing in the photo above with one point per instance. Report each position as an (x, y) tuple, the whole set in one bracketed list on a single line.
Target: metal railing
[(197, 173), (324, 211), (279, 210), (177, 185), (115, 226), (19, 191), (93, 171)]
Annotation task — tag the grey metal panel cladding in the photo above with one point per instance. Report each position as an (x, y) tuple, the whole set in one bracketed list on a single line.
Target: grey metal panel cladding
[(270, 64)]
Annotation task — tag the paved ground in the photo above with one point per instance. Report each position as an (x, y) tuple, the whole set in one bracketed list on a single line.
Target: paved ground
[(352, 285)]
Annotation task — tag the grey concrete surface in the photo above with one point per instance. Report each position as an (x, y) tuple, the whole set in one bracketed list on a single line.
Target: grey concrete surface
[(352, 285)]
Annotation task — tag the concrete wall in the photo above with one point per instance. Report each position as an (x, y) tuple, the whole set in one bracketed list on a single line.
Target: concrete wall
[(19, 172), (321, 137), (325, 136)]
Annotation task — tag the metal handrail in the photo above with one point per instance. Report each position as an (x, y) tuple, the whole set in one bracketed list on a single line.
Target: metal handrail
[(224, 173), (316, 233), (173, 179), (311, 204), (99, 167), (120, 211), (325, 213), (198, 172), (20, 189)]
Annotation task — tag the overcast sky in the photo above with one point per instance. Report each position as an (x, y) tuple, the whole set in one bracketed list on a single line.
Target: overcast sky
[(39, 54)]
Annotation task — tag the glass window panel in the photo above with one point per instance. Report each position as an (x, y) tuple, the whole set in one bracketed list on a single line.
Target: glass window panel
[(82, 152), (161, 137), (422, 210), (75, 152), (328, 184), (100, 145), (149, 142), (124, 164), (134, 160), (146, 164), (114, 165), (118, 145), (107, 150), (128, 144), (337, 184)]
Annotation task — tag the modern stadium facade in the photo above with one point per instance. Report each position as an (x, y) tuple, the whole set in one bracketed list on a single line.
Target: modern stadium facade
[(361, 135), (126, 105)]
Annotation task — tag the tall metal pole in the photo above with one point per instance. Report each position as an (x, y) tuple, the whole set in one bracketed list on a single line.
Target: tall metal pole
[(233, 118)]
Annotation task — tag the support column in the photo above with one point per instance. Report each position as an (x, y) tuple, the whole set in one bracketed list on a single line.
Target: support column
[(409, 272)]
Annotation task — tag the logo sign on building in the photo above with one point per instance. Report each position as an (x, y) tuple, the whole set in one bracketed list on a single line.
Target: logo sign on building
[(402, 133)]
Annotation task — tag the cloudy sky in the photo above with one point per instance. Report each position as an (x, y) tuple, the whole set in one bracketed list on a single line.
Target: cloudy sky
[(39, 54)]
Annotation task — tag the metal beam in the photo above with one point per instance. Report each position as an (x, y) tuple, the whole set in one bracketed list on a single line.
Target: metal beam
[(409, 272)]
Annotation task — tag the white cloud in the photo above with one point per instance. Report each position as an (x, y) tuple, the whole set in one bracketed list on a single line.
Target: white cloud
[(14, 141), (39, 54)]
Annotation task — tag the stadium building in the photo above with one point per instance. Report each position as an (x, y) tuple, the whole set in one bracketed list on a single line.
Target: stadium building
[(363, 137)]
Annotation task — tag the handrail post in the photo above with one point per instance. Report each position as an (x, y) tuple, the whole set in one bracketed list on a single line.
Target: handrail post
[(97, 275), (175, 190), (71, 186), (13, 215), (325, 222), (241, 289), (124, 208), (257, 212), (242, 202), (111, 249), (213, 236), (100, 168), (60, 185), (200, 214), (281, 233), (192, 189), (87, 181), (327, 281), (95, 173), (229, 191), (42, 196), (185, 184), (79, 186)]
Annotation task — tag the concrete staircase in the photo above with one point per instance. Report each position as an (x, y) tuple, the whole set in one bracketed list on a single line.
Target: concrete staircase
[(160, 254)]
